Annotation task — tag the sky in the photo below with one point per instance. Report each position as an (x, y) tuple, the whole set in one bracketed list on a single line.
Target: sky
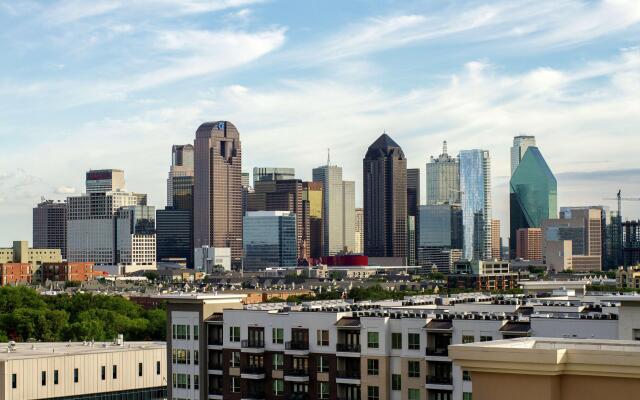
[(114, 83)]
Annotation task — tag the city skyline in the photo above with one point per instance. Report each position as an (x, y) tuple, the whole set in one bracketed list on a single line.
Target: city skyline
[(575, 89)]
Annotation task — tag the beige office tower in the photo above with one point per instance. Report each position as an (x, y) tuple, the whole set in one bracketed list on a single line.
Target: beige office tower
[(520, 146), (312, 193), (359, 248), (217, 194), (338, 211), (495, 239), (181, 167)]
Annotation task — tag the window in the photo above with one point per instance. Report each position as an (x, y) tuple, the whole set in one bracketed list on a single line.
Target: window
[(277, 335), (373, 393), (413, 394), (235, 359), (278, 387), (468, 339), (181, 332), (414, 369), (235, 384), (396, 382), (323, 392), (323, 364), (322, 337), (636, 334), (486, 338), (467, 396), (278, 361), (76, 375), (103, 372), (234, 333), (43, 378), (196, 332), (55, 376), (139, 369), (14, 381), (373, 367), (157, 367), (180, 356), (466, 376), (182, 381), (372, 340), (196, 382), (114, 372), (414, 341), (396, 340), (195, 357)]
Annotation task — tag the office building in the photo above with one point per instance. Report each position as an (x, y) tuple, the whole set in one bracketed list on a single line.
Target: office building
[(104, 180), (529, 244), (269, 239), (212, 260), (519, 149), (180, 179), (312, 195), (246, 189), (217, 191), (413, 209), (136, 236), (50, 226), (174, 235), (482, 276), (272, 174), (533, 194), (440, 240), (475, 189), (496, 240), (443, 179), (27, 260), (359, 228), (631, 243), (550, 369), (385, 199), (69, 272), (338, 210), (65, 370)]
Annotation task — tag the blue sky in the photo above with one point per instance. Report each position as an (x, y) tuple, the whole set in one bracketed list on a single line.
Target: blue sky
[(114, 83)]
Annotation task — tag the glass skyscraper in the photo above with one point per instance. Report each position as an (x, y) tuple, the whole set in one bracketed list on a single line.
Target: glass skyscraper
[(269, 239), (519, 148), (475, 189), (533, 194)]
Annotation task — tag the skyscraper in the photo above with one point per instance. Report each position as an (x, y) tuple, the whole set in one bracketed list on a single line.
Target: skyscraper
[(385, 199), (440, 241), (413, 206), (533, 194), (519, 148), (269, 239), (218, 188), (50, 226), (272, 174), (180, 172), (475, 188), (104, 180), (338, 210), (496, 242), (359, 247), (312, 193), (443, 179)]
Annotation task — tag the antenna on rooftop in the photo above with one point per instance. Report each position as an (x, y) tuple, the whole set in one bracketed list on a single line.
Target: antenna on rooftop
[(328, 156), (444, 147)]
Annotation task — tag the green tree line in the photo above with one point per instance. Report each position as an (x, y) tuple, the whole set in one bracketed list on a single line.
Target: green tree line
[(27, 315)]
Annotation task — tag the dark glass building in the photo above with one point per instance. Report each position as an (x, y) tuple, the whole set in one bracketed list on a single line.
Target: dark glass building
[(385, 199), (174, 235), (269, 239), (413, 205)]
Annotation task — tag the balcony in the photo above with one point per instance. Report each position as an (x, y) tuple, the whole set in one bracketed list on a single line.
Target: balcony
[(252, 346), (296, 375), (439, 380), (252, 372), (214, 366), (348, 376), (347, 348), (214, 342), (294, 345), (437, 351), (214, 391), (299, 396), (253, 396)]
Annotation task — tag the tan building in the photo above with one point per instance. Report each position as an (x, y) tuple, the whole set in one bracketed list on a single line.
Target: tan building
[(21, 253), (312, 193), (495, 239), (359, 227), (83, 370), (628, 278), (529, 244), (550, 369)]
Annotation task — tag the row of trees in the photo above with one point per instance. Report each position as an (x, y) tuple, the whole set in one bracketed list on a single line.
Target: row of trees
[(27, 315)]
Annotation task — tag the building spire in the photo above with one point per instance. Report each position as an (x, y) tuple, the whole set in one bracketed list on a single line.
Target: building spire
[(328, 156), (444, 147)]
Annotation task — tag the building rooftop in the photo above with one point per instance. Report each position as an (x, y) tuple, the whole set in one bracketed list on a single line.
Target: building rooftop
[(57, 349)]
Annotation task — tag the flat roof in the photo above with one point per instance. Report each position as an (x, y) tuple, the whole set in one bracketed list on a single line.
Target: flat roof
[(199, 296), (59, 349)]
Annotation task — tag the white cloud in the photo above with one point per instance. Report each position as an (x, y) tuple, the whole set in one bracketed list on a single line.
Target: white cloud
[(65, 190)]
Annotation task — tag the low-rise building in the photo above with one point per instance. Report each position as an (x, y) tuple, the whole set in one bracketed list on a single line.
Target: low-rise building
[(69, 271), (15, 273), (628, 278)]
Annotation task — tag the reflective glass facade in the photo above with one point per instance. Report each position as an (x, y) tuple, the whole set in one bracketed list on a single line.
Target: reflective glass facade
[(533, 193), (441, 226), (174, 235), (475, 188), (269, 239)]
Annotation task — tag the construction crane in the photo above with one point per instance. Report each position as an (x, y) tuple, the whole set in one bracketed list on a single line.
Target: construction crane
[(620, 199)]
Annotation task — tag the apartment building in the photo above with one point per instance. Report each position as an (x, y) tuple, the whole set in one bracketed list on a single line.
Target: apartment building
[(364, 351), (117, 371)]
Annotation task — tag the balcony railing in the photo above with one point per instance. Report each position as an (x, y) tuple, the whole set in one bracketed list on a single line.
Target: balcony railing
[(297, 372), (215, 391), (439, 380), (253, 369), (296, 345), (349, 374), (254, 395), (215, 342), (299, 396), (437, 351), (252, 344), (348, 348), (214, 365)]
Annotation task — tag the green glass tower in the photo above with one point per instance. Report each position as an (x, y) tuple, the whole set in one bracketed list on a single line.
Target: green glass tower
[(533, 194)]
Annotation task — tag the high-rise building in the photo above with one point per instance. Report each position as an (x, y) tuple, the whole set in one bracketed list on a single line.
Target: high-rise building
[(529, 244), (136, 236), (359, 228), (246, 181), (533, 194), (269, 239), (440, 240), (338, 210), (413, 205), (385, 199), (496, 241), (312, 194), (272, 174), (174, 235), (50, 226), (475, 188), (217, 192), (519, 149), (180, 174), (443, 179), (104, 180)]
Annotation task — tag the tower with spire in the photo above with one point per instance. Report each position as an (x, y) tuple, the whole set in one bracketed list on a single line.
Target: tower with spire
[(443, 179)]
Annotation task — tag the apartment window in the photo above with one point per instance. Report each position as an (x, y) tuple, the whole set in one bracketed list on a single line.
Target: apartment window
[(323, 364), (182, 381), (234, 333), (196, 332), (235, 384), (323, 392), (414, 369), (322, 337), (468, 339), (414, 341), (196, 357), (278, 335), (373, 340), (278, 387), (396, 340), (181, 332), (103, 372), (636, 334), (139, 369), (196, 382), (373, 367), (114, 372), (396, 382), (278, 361), (413, 394), (14, 381), (467, 396), (157, 367), (466, 376), (373, 393), (43, 378), (55, 376), (235, 359), (486, 338)]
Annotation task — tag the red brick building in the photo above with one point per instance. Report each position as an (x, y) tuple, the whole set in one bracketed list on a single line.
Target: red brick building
[(13, 273), (69, 271)]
